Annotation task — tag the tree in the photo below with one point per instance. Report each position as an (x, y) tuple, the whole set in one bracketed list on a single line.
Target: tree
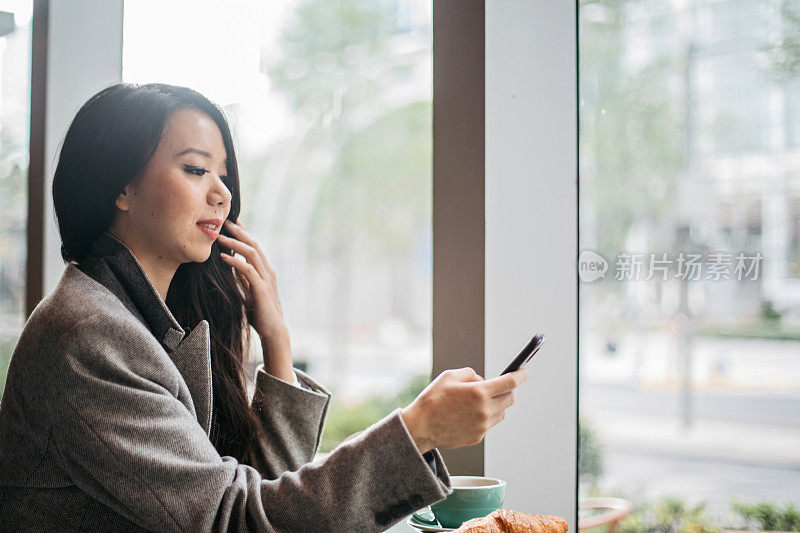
[(784, 51), (631, 126), (365, 153)]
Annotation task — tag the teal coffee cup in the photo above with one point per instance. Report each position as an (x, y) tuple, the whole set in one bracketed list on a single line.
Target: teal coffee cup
[(472, 497)]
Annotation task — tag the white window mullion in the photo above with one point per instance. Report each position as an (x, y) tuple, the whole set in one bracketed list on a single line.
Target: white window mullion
[(531, 247)]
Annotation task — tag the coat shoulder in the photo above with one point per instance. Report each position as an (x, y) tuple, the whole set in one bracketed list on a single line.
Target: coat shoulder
[(76, 298), (78, 308), (78, 320)]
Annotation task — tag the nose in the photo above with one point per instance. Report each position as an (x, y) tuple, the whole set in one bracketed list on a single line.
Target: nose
[(219, 194)]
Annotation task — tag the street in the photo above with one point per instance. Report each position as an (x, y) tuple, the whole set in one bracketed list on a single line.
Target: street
[(743, 445)]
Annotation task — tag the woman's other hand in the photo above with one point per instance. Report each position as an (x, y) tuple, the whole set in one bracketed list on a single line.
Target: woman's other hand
[(264, 310), (458, 407)]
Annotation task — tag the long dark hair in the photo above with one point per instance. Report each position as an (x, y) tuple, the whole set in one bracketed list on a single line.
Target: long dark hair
[(109, 143)]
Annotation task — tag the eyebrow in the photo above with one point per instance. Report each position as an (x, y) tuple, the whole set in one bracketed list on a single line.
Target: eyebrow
[(199, 152)]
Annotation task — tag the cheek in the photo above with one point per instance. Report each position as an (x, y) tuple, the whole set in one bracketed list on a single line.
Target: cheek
[(176, 203), (159, 211)]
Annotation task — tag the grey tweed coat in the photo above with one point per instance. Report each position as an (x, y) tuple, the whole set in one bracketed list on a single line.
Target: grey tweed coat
[(105, 421)]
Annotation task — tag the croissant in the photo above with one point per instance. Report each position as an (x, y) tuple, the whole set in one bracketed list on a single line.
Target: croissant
[(510, 521)]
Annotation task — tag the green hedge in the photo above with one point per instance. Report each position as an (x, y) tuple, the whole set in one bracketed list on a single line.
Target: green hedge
[(344, 420), (674, 515)]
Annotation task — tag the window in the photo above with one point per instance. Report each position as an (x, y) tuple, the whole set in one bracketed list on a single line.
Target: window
[(15, 59), (330, 105), (690, 375)]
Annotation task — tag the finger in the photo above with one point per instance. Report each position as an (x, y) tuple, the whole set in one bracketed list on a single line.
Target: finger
[(465, 375), (243, 267), (246, 250), (238, 231), (503, 401), (506, 382), (494, 420), (243, 283), (243, 280)]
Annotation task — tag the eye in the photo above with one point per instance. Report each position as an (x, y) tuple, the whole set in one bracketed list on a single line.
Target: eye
[(197, 171)]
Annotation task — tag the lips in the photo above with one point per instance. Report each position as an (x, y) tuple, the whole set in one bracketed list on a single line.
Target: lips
[(213, 233), (216, 221)]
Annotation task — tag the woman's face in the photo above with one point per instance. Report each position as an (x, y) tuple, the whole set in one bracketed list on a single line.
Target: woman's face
[(181, 186)]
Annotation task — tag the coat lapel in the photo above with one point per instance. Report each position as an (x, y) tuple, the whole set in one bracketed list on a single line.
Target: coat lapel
[(193, 359), (113, 265)]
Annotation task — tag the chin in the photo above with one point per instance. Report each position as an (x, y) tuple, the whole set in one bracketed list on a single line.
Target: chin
[(198, 254), (203, 257)]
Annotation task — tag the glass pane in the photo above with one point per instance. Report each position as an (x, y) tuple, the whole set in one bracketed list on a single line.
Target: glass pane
[(690, 245), (330, 104), (15, 90)]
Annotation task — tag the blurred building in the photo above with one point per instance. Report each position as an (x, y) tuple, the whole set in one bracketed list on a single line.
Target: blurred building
[(741, 188)]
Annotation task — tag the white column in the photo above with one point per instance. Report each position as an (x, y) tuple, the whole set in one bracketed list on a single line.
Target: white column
[(84, 55), (531, 247)]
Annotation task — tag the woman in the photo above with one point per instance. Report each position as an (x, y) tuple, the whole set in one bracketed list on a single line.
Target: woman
[(125, 406)]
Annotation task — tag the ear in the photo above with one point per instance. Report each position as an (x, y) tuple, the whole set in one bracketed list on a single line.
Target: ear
[(122, 202)]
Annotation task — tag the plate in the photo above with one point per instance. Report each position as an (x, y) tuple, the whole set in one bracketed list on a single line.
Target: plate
[(421, 526)]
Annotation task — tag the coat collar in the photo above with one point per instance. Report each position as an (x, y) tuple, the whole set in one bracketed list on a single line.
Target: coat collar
[(112, 264)]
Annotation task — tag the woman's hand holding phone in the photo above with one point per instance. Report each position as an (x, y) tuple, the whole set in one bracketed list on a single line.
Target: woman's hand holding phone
[(458, 407)]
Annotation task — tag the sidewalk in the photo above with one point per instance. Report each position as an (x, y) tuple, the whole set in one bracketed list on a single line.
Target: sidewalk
[(727, 441), (654, 359)]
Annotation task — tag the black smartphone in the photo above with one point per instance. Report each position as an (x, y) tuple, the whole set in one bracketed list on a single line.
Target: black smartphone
[(525, 355)]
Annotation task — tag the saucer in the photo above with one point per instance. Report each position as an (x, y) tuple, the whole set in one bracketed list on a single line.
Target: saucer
[(422, 526)]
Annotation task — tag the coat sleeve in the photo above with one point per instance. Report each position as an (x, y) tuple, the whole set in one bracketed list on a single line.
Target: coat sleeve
[(122, 435), (292, 420)]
